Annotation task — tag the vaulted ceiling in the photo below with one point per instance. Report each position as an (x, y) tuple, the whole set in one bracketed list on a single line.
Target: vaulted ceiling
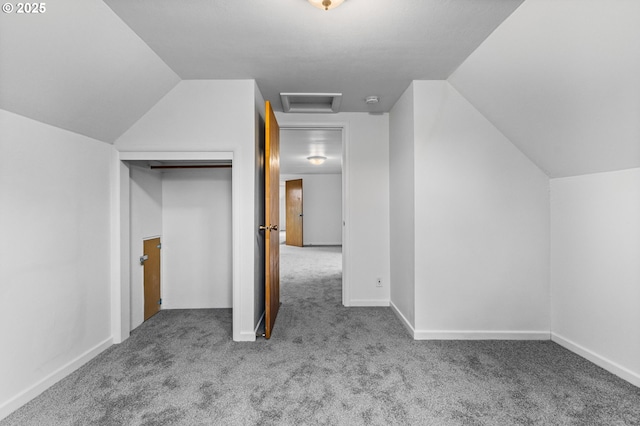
[(561, 79), (364, 47), (79, 67), (85, 68), (557, 77)]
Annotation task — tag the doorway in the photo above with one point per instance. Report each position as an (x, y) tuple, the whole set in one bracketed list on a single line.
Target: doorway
[(189, 206), (126, 237), (313, 180)]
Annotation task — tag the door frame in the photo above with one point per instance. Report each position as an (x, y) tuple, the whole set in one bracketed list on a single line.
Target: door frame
[(346, 218), (121, 232)]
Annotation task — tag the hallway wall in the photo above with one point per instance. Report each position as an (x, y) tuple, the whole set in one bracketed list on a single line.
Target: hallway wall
[(322, 207)]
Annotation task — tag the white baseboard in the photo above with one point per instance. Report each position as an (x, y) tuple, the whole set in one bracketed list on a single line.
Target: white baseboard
[(480, 335), (9, 406), (600, 361), (468, 334), (250, 336), (362, 303), (246, 336), (403, 319)]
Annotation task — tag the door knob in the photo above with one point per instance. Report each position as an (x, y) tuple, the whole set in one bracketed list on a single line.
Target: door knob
[(269, 228)]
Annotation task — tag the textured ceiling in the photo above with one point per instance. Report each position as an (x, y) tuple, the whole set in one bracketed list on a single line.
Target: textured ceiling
[(364, 47)]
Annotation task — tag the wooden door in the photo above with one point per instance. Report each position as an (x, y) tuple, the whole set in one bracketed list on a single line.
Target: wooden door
[(293, 203), (272, 217), (151, 264)]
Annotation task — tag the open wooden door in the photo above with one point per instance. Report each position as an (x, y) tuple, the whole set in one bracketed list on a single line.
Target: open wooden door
[(151, 262), (272, 217), (293, 203)]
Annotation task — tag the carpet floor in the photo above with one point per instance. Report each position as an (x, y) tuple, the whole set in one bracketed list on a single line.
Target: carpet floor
[(327, 365)]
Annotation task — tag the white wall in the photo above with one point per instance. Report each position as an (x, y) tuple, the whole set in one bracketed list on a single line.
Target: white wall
[(54, 255), (402, 206), (196, 245), (322, 207), (595, 268), (366, 174), (481, 223), (482, 240), (214, 116), (146, 222), (560, 80)]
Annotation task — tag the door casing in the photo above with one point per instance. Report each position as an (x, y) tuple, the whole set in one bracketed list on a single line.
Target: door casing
[(346, 218)]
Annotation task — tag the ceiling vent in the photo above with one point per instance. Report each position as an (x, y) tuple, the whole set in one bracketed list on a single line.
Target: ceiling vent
[(311, 102)]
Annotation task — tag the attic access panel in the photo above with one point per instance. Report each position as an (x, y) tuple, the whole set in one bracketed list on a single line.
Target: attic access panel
[(311, 102)]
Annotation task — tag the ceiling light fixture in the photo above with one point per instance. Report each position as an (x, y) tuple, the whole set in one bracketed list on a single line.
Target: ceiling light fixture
[(326, 4), (372, 100), (316, 160)]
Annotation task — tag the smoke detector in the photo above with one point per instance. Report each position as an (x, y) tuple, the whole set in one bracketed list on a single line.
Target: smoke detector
[(371, 100)]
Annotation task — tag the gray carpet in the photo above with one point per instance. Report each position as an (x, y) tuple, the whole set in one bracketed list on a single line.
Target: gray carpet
[(327, 364)]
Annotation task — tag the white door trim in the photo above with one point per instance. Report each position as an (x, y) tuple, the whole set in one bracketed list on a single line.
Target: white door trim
[(346, 219)]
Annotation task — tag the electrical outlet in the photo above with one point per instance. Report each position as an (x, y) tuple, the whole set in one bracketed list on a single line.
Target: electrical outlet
[(378, 282)]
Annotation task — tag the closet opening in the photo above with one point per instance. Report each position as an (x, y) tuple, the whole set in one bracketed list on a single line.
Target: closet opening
[(185, 207)]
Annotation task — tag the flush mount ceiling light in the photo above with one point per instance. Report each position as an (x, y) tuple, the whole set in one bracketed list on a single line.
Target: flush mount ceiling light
[(316, 160), (326, 4), (372, 100)]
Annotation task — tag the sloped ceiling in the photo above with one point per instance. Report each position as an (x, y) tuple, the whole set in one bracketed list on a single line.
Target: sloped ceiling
[(558, 77), (561, 79), (364, 47), (80, 68)]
